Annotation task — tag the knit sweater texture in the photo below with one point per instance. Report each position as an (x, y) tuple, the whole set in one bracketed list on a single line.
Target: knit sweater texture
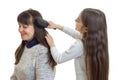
[(33, 64)]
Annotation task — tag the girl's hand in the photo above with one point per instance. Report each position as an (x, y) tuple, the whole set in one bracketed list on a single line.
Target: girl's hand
[(50, 40), (54, 26)]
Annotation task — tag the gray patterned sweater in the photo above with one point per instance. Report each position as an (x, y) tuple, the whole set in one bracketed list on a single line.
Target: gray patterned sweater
[(33, 65)]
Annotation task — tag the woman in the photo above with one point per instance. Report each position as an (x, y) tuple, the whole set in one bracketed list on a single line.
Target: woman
[(90, 50), (33, 56)]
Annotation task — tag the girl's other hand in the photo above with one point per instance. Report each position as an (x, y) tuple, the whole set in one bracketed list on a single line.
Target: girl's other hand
[(50, 40)]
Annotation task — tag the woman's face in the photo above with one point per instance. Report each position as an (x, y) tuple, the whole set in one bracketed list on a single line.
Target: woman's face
[(26, 31)]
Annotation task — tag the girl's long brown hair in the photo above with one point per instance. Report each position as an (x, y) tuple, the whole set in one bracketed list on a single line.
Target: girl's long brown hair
[(25, 18), (95, 44)]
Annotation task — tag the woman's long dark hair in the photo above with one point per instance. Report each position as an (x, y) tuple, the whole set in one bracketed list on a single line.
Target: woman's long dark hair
[(25, 18), (95, 44)]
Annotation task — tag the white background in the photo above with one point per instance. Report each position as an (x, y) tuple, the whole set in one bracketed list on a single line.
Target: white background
[(63, 12)]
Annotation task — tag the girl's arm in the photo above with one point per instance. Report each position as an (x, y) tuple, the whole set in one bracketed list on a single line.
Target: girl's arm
[(72, 32), (74, 51)]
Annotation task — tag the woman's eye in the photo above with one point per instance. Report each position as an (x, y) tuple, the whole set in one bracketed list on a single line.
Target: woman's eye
[(24, 26)]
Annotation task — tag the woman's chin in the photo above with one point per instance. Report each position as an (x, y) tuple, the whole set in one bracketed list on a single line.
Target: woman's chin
[(24, 39)]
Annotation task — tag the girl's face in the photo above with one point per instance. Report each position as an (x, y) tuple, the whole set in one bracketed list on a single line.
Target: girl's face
[(79, 25), (26, 31)]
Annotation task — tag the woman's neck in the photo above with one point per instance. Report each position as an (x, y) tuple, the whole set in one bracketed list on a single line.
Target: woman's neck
[(31, 43)]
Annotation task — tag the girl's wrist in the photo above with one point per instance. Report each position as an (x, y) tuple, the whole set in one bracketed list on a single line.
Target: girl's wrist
[(60, 27), (52, 45)]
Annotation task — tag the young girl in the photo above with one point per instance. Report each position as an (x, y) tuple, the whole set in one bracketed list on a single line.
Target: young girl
[(90, 50)]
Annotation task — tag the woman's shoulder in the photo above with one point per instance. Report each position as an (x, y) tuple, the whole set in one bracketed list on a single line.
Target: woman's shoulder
[(41, 49)]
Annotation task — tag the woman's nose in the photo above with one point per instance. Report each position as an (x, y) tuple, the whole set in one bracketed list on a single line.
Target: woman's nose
[(20, 29)]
